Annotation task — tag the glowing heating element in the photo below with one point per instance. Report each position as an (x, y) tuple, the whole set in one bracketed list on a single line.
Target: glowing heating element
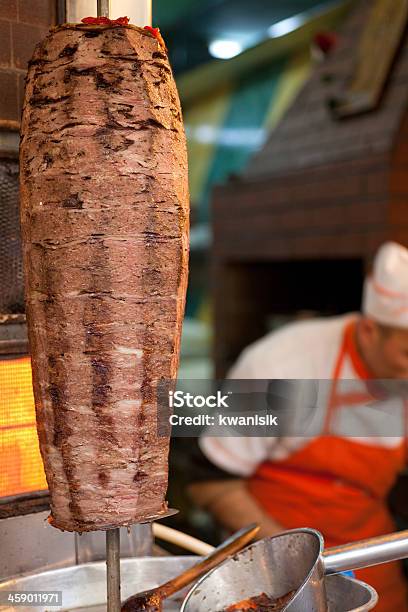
[(21, 468)]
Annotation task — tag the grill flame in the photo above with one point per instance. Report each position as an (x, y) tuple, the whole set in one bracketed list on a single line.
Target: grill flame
[(20, 460)]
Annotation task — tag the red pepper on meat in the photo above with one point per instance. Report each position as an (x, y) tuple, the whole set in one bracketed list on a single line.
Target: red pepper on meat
[(156, 33), (105, 21), (121, 21)]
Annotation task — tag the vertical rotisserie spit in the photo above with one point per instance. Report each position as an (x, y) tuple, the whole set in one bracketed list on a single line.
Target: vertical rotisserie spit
[(104, 209)]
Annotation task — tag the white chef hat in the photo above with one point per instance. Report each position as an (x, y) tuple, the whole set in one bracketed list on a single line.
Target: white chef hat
[(385, 297)]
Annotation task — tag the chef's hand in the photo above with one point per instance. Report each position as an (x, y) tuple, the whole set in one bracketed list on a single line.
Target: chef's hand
[(232, 505)]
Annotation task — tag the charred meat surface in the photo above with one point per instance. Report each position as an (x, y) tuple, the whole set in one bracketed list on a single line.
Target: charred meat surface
[(104, 215), (261, 603)]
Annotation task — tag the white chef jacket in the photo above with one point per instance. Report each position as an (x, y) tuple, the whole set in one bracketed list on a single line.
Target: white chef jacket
[(302, 350)]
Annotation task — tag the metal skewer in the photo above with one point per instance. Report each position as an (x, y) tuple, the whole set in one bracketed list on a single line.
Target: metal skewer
[(112, 535), (103, 8), (113, 569)]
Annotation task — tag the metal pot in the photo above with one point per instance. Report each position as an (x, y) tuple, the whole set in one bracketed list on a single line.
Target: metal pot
[(291, 561)]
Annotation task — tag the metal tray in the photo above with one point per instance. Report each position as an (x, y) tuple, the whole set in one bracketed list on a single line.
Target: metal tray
[(84, 586)]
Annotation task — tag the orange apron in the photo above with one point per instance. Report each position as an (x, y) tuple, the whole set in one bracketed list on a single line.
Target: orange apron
[(339, 486)]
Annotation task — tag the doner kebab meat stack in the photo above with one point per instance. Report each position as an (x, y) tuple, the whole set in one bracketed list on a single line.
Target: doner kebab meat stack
[(104, 212)]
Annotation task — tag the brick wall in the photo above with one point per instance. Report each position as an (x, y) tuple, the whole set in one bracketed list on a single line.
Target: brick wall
[(332, 211), (22, 24), (397, 211)]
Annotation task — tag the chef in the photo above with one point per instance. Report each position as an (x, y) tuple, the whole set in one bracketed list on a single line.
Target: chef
[(335, 482)]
